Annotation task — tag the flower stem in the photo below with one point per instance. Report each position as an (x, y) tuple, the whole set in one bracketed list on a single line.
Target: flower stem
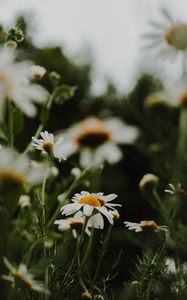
[(104, 247), (44, 223)]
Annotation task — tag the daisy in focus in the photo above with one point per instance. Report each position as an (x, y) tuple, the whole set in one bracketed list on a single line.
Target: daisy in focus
[(92, 205), (143, 225), (16, 170), (21, 277), (97, 140), (168, 37), (15, 85), (48, 145)]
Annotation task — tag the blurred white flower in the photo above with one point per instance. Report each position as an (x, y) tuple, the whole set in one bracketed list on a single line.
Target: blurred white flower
[(15, 85), (97, 140), (47, 144), (92, 205), (16, 170), (146, 224), (174, 94), (21, 277), (37, 72), (24, 201), (169, 37)]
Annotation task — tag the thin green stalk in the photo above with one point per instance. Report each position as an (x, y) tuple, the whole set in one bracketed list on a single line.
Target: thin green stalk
[(77, 251), (41, 126), (44, 223), (88, 247), (104, 247)]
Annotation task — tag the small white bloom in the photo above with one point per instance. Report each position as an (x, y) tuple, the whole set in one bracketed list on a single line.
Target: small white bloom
[(48, 145), (15, 85), (24, 201), (93, 205), (97, 140), (37, 71), (54, 171), (16, 170), (76, 172), (75, 224), (146, 224)]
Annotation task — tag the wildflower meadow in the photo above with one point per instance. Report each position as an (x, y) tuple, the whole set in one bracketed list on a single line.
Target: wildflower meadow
[(93, 189)]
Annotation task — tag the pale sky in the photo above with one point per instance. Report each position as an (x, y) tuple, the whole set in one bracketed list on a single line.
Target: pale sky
[(112, 29)]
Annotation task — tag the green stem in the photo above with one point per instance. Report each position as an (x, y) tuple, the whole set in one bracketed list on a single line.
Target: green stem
[(44, 223), (41, 126), (104, 247), (10, 124), (88, 247), (77, 251)]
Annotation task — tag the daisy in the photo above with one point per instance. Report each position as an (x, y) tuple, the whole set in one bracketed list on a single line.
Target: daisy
[(75, 224), (48, 145), (15, 84), (146, 224), (92, 205), (20, 276), (174, 94), (169, 37), (16, 171), (97, 140)]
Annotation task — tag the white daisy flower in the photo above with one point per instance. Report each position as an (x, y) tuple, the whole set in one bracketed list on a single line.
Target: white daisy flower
[(75, 224), (37, 72), (97, 140), (16, 170), (146, 224), (169, 37), (48, 145), (21, 276), (15, 85), (93, 205)]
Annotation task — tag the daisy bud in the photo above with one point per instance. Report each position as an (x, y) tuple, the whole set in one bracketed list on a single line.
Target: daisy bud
[(37, 72), (24, 201), (115, 214), (86, 295), (54, 171), (148, 181), (48, 243), (11, 45), (76, 172), (99, 297)]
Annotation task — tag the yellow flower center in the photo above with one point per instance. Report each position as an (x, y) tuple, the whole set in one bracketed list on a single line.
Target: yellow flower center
[(17, 274), (12, 178), (91, 200), (176, 36), (148, 224), (48, 147)]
